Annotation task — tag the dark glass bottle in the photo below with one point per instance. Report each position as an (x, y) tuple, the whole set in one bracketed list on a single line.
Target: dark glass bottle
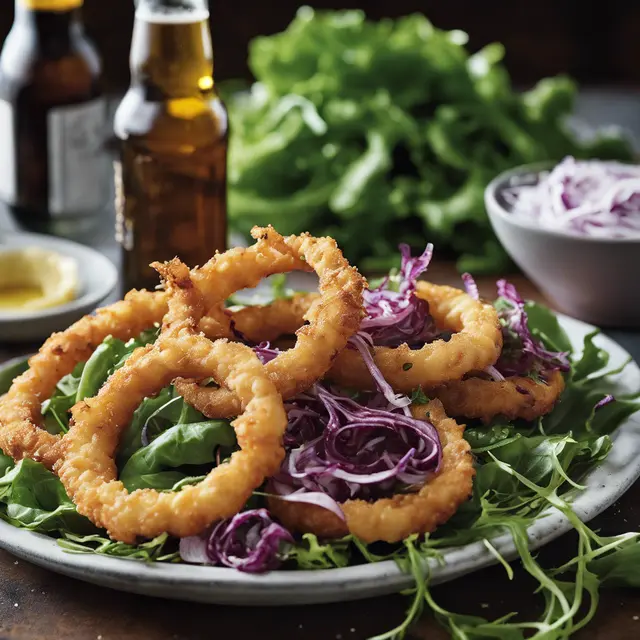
[(171, 178), (53, 165)]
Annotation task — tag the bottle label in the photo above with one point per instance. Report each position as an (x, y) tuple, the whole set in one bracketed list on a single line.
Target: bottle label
[(78, 163), (8, 181), (52, 5)]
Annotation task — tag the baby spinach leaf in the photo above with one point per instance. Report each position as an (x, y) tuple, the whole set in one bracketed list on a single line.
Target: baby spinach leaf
[(98, 367), (593, 359), (544, 326), (35, 499), (184, 444)]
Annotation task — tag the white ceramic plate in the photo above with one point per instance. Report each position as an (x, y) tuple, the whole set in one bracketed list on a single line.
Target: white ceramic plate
[(98, 278), (226, 586)]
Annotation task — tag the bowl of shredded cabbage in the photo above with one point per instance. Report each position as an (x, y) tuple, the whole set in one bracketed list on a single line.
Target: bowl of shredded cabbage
[(574, 230)]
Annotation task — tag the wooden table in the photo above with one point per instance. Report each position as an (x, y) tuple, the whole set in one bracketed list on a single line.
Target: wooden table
[(37, 604)]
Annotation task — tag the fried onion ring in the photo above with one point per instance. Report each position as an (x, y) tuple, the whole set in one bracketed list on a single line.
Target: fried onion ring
[(21, 434), (266, 323), (333, 318), (514, 397), (475, 344), (87, 468), (393, 519)]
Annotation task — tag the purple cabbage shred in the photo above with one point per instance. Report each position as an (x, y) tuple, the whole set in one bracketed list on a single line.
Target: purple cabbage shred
[(347, 448), (352, 449), (395, 314), (265, 353), (470, 286), (363, 342), (604, 402), (250, 542), (494, 374), (584, 197), (522, 355)]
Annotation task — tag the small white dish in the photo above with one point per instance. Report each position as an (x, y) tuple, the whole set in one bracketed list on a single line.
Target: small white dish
[(97, 279), (592, 279)]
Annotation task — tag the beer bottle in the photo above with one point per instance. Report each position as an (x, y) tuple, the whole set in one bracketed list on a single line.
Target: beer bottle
[(173, 133), (53, 165)]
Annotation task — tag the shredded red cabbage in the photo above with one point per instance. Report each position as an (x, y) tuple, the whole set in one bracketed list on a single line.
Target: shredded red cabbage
[(250, 541), (354, 449), (339, 448), (395, 315), (494, 374), (522, 355), (265, 353), (587, 197), (604, 402), (362, 342), (287, 493), (470, 286)]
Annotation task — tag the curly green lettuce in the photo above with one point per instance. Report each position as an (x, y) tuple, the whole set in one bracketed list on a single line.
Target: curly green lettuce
[(379, 133)]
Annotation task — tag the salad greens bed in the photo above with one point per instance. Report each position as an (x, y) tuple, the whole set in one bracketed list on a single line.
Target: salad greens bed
[(378, 133), (522, 469)]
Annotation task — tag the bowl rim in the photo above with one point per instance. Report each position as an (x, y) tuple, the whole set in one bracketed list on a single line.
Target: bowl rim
[(494, 208), (89, 299)]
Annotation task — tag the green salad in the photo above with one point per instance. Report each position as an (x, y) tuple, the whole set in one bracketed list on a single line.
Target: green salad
[(377, 133), (522, 469)]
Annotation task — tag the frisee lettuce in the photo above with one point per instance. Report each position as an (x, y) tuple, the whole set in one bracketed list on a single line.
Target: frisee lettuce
[(522, 469), (155, 550)]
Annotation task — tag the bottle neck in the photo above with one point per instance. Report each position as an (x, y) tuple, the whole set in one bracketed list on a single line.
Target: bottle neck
[(171, 51)]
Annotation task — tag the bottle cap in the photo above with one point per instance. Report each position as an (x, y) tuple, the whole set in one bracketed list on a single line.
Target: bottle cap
[(52, 5)]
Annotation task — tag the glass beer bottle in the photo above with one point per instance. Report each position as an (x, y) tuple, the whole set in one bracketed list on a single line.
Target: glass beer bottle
[(173, 132), (53, 164)]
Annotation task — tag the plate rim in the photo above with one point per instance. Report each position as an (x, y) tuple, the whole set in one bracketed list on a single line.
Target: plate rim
[(285, 588)]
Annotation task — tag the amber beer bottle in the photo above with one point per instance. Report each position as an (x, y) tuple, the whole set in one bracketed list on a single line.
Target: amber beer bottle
[(53, 164), (172, 126)]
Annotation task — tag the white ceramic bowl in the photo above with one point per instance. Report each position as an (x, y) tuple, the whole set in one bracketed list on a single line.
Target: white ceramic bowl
[(594, 279), (98, 278)]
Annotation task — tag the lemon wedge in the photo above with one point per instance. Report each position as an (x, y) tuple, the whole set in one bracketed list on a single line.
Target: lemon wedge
[(34, 279)]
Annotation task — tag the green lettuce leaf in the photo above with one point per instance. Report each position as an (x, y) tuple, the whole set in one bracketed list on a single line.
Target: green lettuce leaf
[(33, 498), (380, 132), (620, 568), (184, 444)]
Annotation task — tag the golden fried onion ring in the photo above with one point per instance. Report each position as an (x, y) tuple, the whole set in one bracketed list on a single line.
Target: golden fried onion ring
[(393, 519), (87, 468), (333, 318), (282, 317), (476, 343), (21, 434), (515, 397)]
